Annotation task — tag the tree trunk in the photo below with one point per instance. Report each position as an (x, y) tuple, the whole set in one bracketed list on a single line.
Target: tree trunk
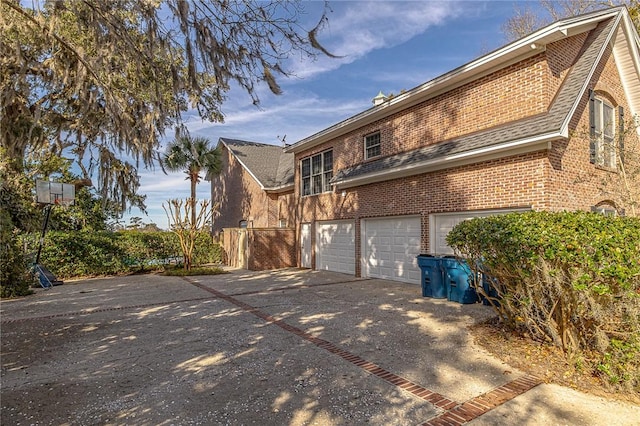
[(194, 180)]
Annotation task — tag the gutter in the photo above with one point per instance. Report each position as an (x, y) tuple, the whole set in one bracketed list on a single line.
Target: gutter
[(278, 189)]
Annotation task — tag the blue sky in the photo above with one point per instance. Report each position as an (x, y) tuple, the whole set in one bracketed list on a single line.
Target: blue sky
[(386, 46)]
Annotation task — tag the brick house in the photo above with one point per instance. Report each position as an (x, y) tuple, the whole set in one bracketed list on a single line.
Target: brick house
[(253, 205), (528, 126), (254, 188)]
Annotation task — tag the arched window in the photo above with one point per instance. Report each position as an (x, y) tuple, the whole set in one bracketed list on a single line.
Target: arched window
[(607, 208)]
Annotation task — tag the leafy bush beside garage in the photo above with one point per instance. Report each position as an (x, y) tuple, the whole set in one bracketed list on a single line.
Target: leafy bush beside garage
[(570, 278)]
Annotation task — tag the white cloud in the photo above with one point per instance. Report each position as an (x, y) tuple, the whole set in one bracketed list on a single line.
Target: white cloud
[(297, 114), (356, 28)]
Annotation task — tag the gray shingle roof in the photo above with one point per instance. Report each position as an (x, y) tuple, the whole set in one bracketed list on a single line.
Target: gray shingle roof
[(269, 164), (552, 121)]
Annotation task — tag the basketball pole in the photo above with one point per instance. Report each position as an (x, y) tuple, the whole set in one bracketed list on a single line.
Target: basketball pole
[(44, 231)]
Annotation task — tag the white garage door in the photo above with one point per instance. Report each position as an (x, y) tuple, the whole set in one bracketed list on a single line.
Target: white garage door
[(390, 247), (442, 224), (335, 246)]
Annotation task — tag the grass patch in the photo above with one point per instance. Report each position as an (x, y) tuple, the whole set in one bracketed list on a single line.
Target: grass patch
[(180, 272)]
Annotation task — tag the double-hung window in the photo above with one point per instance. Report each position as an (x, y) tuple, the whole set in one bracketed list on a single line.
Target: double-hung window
[(603, 143), (372, 145), (316, 172)]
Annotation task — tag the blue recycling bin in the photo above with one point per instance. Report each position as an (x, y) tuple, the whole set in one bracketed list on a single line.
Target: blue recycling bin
[(459, 276), (432, 274)]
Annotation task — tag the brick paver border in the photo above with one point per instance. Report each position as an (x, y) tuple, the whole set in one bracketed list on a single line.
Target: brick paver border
[(484, 403), (455, 413)]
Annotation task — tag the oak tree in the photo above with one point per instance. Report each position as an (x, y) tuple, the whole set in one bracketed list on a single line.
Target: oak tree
[(105, 80)]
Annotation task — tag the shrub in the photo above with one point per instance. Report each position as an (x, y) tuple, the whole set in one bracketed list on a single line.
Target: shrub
[(14, 280), (148, 249), (206, 250), (572, 278), (81, 254)]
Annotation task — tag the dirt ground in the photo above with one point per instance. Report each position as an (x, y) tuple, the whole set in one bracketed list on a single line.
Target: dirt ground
[(542, 360), (154, 350)]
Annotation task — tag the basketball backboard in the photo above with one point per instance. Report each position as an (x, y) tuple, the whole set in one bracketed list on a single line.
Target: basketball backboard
[(55, 193)]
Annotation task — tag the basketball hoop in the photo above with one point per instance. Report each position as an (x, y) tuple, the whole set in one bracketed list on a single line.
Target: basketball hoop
[(52, 194), (55, 193)]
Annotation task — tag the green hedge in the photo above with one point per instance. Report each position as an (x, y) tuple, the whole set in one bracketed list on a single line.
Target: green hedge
[(81, 254), (572, 278), (14, 279)]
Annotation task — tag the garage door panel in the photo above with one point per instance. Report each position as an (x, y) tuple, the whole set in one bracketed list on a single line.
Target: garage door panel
[(390, 248), (442, 224), (335, 247)]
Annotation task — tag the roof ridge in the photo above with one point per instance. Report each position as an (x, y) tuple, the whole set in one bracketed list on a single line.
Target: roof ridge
[(555, 31), (267, 164)]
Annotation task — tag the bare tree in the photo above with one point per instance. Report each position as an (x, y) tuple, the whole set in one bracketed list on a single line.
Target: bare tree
[(525, 20), (179, 214), (105, 79)]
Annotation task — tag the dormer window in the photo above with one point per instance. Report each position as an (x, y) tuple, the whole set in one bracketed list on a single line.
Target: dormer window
[(372, 145)]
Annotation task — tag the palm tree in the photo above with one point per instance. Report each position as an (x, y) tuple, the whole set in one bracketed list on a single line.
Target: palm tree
[(193, 155)]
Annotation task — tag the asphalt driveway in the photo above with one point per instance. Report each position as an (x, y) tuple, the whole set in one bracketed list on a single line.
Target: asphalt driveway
[(289, 347)]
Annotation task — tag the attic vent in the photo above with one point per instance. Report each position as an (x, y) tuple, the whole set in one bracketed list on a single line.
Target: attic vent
[(380, 98)]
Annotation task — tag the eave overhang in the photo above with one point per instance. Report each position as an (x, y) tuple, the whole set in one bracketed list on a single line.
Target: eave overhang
[(279, 189)]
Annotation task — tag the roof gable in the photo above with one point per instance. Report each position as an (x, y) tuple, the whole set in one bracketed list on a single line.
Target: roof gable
[(526, 135), (269, 165)]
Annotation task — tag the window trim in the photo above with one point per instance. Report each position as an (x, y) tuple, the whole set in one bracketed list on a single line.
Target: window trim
[(319, 176), (367, 148), (603, 145)]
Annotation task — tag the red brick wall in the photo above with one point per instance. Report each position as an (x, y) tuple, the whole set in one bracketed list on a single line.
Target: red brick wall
[(237, 196), (520, 90), (271, 248), (492, 100), (545, 180), (575, 183), (260, 248), (473, 187)]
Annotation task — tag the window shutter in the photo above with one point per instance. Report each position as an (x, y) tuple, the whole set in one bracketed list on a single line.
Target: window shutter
[(592, 127), (621, 134)]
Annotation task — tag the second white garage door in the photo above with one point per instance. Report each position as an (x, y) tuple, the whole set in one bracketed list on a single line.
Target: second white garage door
[(390, 247), (335, 246), (441, 224)]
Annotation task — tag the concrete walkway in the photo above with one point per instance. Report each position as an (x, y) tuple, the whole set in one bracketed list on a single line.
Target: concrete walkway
[(289, 347)]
